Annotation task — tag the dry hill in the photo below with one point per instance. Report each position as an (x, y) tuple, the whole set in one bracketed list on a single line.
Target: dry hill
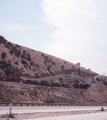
[(85, 86)]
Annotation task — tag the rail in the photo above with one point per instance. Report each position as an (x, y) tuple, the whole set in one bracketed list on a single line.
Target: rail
[(48, 104)]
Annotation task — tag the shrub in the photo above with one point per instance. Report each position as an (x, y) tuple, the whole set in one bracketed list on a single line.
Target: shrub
[(62, 67), (48, 67), (16, 63), (42, 54), (37, 66), (30, 67), (3, 55), (60, 79), (9, 61), (46, 57), (2, 66), (31, 63), (25, 65), (49, 101), (102, 109), (22, 56), (17, 53), (24, 62), (28, 57), (22, 69), (37, 75), (53, 63), (24, 52), (17, 45), (7, 46), (78, 64), (1, 85), (11, 51), (10, 115), (45, 62)]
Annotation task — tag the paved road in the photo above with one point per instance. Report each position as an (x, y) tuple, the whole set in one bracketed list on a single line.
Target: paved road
[(92, 116), (4, 110)]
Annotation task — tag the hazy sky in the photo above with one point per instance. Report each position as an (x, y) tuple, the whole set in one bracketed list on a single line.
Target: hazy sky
[(74, 30)]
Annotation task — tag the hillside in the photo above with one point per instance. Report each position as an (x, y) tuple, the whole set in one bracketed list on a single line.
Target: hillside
[(35, 64), (20, 62)]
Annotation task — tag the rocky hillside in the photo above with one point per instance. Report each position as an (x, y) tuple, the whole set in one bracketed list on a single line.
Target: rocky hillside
[(18, 62)]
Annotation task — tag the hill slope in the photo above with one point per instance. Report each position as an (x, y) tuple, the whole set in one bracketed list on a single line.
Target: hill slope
[(86, 86), (36, 64)]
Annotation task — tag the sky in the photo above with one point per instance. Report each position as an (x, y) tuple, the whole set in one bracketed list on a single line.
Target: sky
[(73, 30)]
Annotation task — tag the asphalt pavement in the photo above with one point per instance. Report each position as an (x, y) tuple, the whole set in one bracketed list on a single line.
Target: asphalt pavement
[(29, 109)]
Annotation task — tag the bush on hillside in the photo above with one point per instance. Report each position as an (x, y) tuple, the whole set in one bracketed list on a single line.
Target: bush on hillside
[(3, 55), (53, 63), (48, 67), (24, 62), (42, 54), (62, 67), (78, 64), (16, 63), (11, 51), (31, 63)]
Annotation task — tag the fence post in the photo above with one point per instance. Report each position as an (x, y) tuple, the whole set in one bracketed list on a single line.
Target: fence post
[(10, 108)]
